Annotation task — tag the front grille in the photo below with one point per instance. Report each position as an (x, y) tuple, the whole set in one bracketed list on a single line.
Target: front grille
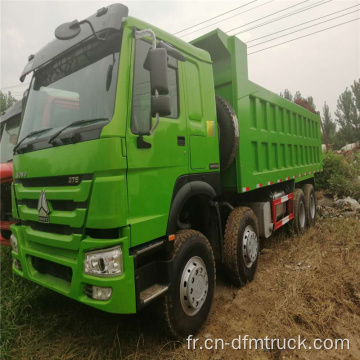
[(58, 205), (65, 180), (65, 197), (52, 228), (48, 267)]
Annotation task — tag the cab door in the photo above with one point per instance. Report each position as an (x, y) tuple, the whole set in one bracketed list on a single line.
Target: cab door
[(153, 170)]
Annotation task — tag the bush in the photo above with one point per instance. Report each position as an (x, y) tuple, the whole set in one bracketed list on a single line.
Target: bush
[(341, 175)]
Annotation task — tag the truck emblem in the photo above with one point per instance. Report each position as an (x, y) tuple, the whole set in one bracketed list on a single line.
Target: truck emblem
[(21, 174), (43, 208)]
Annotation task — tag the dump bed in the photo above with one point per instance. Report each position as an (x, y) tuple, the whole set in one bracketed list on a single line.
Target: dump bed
[(279, 140)]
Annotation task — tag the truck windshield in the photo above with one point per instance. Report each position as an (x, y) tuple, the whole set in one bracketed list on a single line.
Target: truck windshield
[(80, 84), (8, 137)]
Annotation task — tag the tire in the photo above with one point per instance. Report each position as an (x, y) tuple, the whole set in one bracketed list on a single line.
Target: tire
[(310, 204), (192, 252), (299, 221), (242, 229), (228, 132)]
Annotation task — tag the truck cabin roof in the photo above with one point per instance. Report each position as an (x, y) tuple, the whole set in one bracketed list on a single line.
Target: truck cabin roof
[(107, 18)]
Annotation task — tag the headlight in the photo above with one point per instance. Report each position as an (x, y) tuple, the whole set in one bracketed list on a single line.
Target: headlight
[(97, 292), (107, 262), (14, 243)]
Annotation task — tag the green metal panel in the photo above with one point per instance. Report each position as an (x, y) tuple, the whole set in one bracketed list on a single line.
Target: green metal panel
[(197, 158), (193, 92), (111, 210), (152, 172), (202, 130), (279, 140)]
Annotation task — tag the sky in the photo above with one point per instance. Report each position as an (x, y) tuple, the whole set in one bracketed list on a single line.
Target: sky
[(320, 65)]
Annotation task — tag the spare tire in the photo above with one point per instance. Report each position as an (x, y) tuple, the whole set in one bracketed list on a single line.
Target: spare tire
[(228, 132)]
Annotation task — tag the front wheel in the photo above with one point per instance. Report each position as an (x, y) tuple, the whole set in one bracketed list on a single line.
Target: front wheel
[(188, 302)]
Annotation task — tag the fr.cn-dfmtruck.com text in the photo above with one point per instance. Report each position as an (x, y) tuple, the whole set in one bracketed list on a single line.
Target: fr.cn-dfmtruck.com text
[(244, 342)]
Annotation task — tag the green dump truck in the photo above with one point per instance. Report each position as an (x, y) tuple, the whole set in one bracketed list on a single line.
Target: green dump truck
[(144, 160)]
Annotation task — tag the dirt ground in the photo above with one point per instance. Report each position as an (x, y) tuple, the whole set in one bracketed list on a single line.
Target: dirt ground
[(306, 286)]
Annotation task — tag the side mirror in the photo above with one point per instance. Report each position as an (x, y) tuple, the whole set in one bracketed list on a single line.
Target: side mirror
[(156, 62), (160, 100), (160, 105), (158, 71)]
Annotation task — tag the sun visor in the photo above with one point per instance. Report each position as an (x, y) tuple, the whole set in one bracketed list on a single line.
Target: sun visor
[(110, 17)]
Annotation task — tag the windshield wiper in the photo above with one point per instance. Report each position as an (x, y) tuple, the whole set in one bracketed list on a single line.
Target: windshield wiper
[(75, 123), (30, 135)]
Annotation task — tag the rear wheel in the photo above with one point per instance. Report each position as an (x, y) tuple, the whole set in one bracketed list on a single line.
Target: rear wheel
[(187, 304), (241, 245), (310, 204), (299, 221)]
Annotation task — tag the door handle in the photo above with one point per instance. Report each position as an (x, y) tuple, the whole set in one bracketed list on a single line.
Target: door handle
[(181, 140)]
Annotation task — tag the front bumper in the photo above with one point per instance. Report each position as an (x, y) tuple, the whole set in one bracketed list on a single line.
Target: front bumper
[(123, 299)]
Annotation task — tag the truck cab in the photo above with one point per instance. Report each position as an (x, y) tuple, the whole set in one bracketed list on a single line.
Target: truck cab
[(118, 186)]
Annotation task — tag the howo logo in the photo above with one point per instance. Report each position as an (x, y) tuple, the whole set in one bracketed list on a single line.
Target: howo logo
[(43, 208)]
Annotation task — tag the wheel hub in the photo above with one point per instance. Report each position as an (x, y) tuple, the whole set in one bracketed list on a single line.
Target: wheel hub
[(302, 218), (250, 246), (312, 207), (194, 286)]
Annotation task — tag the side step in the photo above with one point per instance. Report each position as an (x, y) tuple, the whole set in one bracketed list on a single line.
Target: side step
[(152, 292)]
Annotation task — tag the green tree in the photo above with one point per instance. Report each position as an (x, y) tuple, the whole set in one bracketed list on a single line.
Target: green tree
[(348, 114), (328, 123), (6, 100), (307, 103), (297, 95), (310, 101), (287, 95), (356, 92)]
